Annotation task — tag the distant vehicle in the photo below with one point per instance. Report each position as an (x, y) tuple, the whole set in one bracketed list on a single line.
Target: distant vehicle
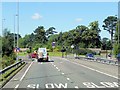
[(89, 55), (42, 54), (34, 55)]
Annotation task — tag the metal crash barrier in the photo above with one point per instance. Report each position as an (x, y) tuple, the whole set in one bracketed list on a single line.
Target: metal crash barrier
[(99, 60)]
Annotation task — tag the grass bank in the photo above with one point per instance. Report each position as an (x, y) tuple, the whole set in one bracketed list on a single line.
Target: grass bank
[(55, 53)]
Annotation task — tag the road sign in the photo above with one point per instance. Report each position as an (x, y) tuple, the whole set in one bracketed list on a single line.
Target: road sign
[(72, 46), (53, 44)]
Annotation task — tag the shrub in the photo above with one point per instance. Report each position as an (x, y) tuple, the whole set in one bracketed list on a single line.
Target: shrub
[(83, 51), (116, 49), (7, 61)]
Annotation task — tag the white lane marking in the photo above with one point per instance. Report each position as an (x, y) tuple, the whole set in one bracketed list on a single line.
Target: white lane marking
[(68, 78), (56, 67), (61, 85), (101, 85), (26, 72), (17, 86), (41, 63), (94, 69), (54, 85), (76, 87), (63, 73)]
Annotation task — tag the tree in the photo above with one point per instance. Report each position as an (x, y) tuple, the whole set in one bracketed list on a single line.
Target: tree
[(40, 35), (110, 25), (50, 31), (106, 44), (117, 39), (91, 36), (8, 43), (95, 30)]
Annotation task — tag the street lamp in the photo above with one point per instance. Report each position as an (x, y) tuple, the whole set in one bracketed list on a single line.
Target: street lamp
[(17, 23), (17, 27), (14, 30), (3, 24)]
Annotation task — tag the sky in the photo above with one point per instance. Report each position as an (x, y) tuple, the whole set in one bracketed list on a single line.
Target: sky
[(64, 16)]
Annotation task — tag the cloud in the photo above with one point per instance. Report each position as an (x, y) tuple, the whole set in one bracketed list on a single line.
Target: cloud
[(36, 16), (78, 19)]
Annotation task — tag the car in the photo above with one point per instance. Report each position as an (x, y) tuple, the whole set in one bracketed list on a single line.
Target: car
[(34, 55), (90, 55)]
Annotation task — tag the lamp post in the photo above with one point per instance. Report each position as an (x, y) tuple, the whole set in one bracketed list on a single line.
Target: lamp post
[(17, 27), (17, 23), (14, 30), (3, 24)]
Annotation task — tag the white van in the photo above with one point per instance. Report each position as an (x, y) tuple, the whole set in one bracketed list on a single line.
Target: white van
[(42, 54)]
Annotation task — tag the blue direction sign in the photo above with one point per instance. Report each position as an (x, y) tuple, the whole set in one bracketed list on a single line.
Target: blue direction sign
[(53, 44)]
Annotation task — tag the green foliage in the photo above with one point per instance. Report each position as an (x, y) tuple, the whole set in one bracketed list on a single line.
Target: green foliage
[(83, 51), (106, 44), (40, 34), (117, 33), (110, 24), (6, 61), (116, 49)]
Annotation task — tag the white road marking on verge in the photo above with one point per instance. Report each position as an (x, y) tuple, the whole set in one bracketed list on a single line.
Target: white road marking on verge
[(63, 73), (17, 86), (93, 69), (26, 72)]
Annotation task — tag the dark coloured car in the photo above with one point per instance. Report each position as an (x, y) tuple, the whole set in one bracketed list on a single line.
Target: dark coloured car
[(89, 55)]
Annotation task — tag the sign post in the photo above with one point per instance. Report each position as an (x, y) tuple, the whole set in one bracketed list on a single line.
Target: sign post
[(72, 46), (53, 45)]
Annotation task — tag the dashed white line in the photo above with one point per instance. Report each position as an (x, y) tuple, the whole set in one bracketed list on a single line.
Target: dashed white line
[(93, 69), (17, 86), (63, 73), (26, 72), (68, 78), (76, 87), (56, 67), (41, 63)]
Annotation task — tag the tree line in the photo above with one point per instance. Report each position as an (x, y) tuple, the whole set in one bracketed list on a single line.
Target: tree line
[(80, 36)]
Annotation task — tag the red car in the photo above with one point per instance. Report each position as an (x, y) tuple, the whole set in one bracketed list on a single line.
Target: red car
[(34, 55)]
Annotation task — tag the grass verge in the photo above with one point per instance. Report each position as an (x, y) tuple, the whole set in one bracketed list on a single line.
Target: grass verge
[(55, 53), (22, 53)]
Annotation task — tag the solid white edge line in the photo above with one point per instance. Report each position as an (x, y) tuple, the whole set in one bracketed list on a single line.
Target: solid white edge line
[(17, 86), (26, 72), (94, 69)]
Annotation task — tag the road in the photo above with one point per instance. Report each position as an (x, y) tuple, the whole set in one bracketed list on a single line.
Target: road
[(65, 73)]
